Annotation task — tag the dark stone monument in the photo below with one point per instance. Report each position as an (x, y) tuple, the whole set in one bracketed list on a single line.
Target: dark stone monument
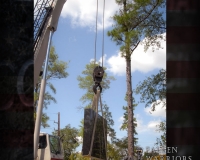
[(98, 148)]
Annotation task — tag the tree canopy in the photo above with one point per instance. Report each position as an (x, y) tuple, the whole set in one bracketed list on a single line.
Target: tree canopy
[(153, 92), (152, 89), (56, 70), (124, 126), (162, 141), (137, 20), (86, 82), (69, 139)]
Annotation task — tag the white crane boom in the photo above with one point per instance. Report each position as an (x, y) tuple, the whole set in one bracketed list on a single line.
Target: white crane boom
[(42, 52)]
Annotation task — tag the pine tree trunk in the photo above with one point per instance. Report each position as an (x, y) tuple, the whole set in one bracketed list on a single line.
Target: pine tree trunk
[(130, 109), (129, 90)]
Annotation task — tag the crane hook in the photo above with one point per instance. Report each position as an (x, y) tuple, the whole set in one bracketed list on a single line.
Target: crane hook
[(97, 77)]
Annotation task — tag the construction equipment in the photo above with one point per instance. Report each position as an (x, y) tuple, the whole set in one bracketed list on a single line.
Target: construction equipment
[(50, 147), (46, 15)]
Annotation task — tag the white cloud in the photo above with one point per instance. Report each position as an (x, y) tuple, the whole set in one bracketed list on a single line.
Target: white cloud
[(80, 139), (83, 13), (152, 125), (149, 127), (100, 59), (160, 111), (121, 119), (141, 127), (116, 64), (72, 39), (108, 138), (104, 59), (140, 60)]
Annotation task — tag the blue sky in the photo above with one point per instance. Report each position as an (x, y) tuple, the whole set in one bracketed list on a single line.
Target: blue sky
[(74, 43)]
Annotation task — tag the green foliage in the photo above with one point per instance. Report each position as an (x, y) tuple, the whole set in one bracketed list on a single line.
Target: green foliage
[(44, 120), (56, 70), (125, 121), (118, 150), (161, 142), (147, 155), (78, 156), (81, 130), (86, 82), (151, 152), (113, 152), (69, 139), (125, 117), (108, 116), (152, 89), (122, 145), (135, 21)]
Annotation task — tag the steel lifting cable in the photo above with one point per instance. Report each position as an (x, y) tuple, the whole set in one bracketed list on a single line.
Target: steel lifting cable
[(95, 43), (96, 33), (98, 70), (103, 33), (97, 94)]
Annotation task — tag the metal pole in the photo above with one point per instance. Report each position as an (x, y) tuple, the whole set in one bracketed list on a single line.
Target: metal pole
[(59, 124), (41, 100)]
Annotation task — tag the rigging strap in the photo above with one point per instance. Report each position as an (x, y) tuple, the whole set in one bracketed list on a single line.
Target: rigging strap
[(96, 99), (98, 73)]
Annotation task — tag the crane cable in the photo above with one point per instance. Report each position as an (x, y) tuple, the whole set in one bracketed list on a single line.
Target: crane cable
[(103, 33), (98, 71), (95, 43), (98, 93), (105, 141), (96, 34)]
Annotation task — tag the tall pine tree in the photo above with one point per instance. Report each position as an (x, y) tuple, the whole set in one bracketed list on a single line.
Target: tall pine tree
[(134, 21)]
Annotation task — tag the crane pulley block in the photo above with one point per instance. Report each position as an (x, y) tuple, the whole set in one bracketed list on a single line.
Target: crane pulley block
[(97, 77), (98, 74)]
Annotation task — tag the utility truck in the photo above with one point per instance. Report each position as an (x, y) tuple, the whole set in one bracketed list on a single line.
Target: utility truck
[(50, 147)]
